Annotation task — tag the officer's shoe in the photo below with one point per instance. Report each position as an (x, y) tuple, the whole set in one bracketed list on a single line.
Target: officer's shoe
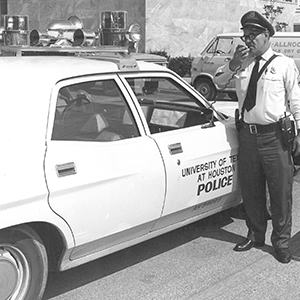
[(283, 255), (247, 244)]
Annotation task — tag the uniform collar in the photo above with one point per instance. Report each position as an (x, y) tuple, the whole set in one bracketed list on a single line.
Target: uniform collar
[(251, 60), (268, 54)]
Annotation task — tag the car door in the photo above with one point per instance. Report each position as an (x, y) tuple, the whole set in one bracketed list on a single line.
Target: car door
[(105, 177), (199, 152)]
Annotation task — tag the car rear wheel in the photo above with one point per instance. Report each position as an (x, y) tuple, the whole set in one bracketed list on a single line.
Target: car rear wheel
[(23, 264), (206, 88)]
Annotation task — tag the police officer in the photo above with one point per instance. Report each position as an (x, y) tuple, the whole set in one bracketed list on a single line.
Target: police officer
[(264, 155)]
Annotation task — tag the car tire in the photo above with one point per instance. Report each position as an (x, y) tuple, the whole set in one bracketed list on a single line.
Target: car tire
[(23, 264), (206, 88)]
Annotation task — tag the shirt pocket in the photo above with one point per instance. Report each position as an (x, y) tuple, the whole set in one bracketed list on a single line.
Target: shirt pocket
[(272, 83)]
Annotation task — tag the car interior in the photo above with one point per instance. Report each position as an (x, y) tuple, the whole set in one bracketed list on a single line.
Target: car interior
[(97, 111)]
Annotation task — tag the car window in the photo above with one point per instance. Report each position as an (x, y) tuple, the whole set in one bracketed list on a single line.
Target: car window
[(93, 111), (221, 46), (167, 105)]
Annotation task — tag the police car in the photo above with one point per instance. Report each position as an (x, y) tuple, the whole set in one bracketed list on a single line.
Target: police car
[(99, 153), (99, 156)]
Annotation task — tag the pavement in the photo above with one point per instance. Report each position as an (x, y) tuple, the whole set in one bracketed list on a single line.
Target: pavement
[(195, 262)]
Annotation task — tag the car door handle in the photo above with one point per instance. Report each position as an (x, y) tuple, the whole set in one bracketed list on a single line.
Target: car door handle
[(66, 169), (175, 148)]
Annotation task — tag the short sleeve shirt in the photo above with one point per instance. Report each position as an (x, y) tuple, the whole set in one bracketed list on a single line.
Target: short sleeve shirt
[(277, 88)]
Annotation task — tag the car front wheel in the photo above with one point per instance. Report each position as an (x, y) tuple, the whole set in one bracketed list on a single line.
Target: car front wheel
[(23, 264), (206, 88)]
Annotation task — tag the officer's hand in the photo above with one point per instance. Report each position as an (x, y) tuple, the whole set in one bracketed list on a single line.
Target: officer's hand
[(240, 54), (296, 145)]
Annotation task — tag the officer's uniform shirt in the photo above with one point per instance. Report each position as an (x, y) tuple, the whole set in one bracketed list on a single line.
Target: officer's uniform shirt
[(277, 88)]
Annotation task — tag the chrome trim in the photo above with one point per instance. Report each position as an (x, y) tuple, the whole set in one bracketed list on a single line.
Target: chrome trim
[(175, 148), (66, 169)]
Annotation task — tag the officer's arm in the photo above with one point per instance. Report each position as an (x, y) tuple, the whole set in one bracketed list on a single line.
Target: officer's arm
[(293, 96), (293, 91)]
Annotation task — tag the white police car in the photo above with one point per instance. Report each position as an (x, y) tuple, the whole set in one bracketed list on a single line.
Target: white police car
[(99, 155)]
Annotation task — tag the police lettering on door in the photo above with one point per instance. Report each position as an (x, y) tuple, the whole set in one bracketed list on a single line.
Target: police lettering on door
[(212, 175)]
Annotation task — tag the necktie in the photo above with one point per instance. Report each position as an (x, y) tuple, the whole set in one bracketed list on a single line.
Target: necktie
[(251, 91)]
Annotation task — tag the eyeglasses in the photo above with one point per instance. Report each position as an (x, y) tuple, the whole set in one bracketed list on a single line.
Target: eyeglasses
[(250, 37)]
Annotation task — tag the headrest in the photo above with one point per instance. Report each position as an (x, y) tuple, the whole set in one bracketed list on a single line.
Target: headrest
[(84, 94), (95, 124)]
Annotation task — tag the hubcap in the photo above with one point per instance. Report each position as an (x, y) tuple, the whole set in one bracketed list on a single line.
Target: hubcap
[(14, 274), (204, 90)]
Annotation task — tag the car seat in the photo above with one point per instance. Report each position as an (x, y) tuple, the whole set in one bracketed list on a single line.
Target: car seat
[(97, 126)]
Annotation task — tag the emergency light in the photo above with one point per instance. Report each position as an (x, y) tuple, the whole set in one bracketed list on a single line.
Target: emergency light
[(15, 31), (112, 31), (15, 22), (134, 33), (113, 27)]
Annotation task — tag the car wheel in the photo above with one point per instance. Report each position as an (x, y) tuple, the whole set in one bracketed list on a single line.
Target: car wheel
[(23, 264), (206, 88)]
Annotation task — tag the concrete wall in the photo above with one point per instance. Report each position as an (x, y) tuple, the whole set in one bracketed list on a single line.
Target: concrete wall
[(184, 27), (180, 27)]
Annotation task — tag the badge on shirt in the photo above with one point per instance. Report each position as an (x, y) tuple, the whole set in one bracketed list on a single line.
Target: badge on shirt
[(273, 70)]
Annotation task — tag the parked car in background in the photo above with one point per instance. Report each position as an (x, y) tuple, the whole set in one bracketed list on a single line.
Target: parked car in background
[(220, 50)]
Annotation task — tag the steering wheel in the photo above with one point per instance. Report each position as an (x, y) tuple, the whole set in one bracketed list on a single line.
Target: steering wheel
[(79, 100), (75, 105)]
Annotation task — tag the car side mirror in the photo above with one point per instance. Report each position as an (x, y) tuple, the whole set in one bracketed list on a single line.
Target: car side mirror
[(150, 87), (209, 115)]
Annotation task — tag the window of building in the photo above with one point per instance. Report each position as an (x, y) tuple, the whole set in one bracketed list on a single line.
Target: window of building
[(3, 7), (282, 1), (296, 27)]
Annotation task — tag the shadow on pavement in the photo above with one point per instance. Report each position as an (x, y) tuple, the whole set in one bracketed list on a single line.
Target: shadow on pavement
[(211, 227), (295, 246)]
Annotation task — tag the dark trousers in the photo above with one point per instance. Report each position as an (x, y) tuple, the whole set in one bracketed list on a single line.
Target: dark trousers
[(264, 160)]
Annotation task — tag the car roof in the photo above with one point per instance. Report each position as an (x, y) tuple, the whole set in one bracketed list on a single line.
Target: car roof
[(54, 68), (27, 83)]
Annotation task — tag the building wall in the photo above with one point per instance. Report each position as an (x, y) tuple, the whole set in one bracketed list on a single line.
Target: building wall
[(180, 27), (184, 27)]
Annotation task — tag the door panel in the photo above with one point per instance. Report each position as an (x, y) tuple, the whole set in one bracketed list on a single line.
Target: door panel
[(199, 152), (98, 168), (204, 169), (116, 186)]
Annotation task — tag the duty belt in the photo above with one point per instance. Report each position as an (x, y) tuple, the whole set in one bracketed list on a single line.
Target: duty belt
[(257, 128)]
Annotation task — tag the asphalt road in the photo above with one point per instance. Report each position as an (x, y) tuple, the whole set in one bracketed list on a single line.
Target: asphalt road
[(193, 262)]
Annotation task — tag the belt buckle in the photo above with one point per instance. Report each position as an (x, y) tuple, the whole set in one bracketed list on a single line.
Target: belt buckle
[(253, 129)]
